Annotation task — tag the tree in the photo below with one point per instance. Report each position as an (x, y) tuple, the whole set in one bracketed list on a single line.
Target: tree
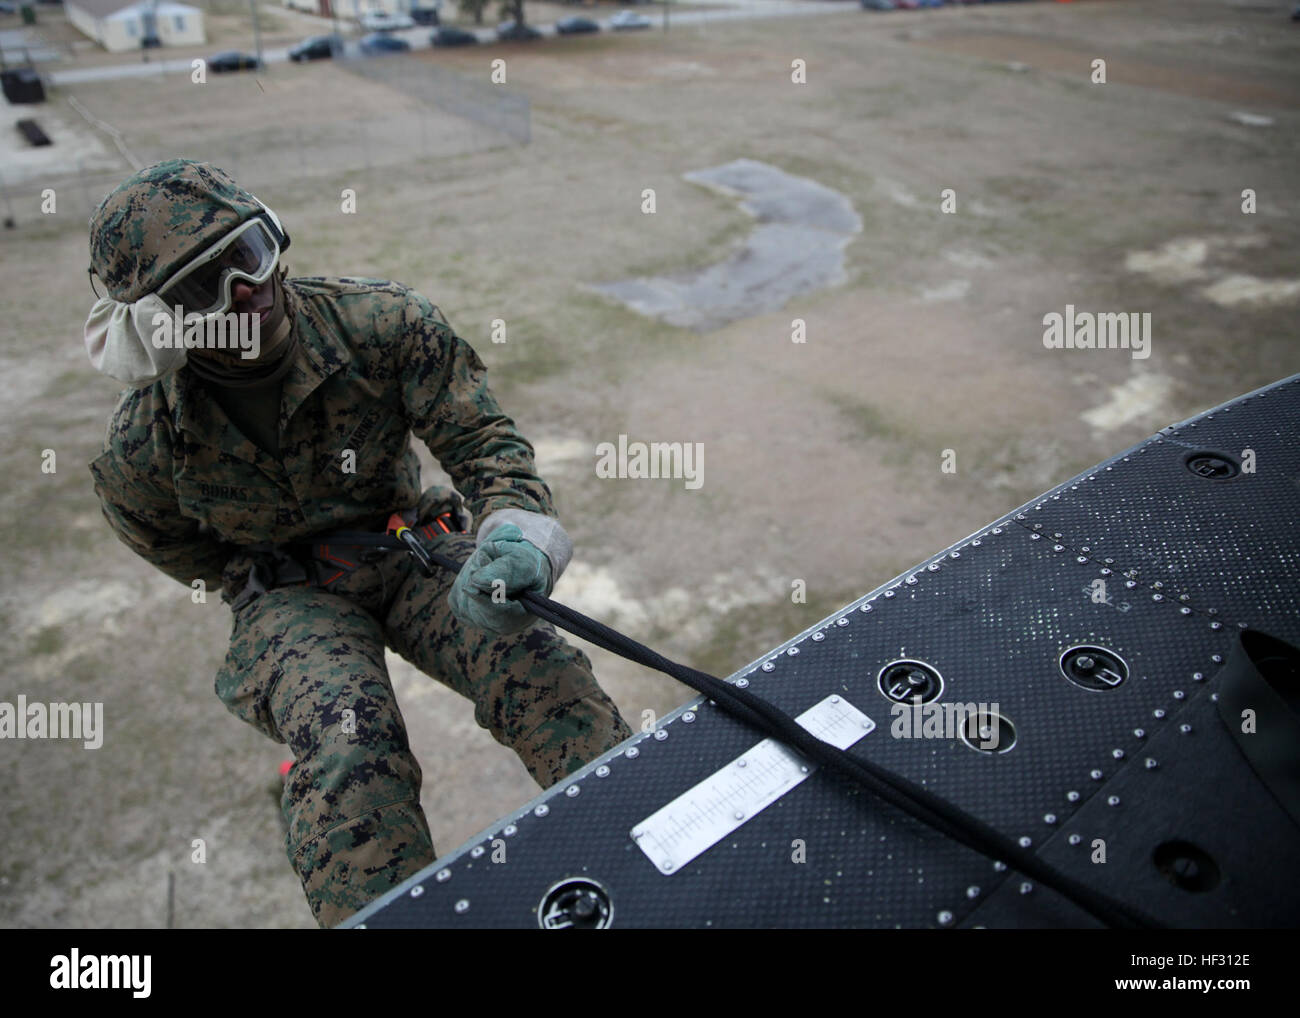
[(474, 7), (512, 10)]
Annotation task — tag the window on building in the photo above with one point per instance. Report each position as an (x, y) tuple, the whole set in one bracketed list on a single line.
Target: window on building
[(132, 29), (179, 21)]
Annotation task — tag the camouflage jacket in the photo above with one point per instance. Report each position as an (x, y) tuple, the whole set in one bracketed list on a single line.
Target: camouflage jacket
[(183, 488)]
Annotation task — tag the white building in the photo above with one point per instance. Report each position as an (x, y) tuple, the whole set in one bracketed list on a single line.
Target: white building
[(351, 10), (120, 25)]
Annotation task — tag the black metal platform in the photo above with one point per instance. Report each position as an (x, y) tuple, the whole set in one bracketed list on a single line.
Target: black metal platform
[(1195, 538)]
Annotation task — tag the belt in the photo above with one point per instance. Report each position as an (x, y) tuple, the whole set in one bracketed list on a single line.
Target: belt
[(330, 556)]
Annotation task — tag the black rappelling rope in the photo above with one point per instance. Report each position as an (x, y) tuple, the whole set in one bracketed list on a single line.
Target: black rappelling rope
[(919, 802)]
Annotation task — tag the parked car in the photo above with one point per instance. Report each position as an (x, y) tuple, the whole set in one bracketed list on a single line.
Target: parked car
[(624, 20), (233, 60), (447, 36), (575, 26), (318, 47), (878, 5), (382, 21), (378, 43), (508, 30)]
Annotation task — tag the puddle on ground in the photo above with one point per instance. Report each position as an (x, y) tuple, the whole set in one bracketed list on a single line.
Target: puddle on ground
[(796, 247)]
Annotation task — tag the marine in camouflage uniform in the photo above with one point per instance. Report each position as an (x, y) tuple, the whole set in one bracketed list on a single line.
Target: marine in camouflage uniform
[(190, 490)]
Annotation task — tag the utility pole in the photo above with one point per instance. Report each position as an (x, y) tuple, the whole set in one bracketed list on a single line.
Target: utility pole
[(257, 34)]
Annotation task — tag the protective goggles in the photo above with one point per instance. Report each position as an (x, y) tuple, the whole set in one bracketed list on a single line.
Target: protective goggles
[(249, 252)]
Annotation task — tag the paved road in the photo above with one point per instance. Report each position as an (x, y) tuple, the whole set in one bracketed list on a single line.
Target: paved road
[(419, 37)]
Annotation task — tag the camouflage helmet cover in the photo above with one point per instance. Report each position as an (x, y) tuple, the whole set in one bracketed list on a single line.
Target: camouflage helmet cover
[(158, 219)]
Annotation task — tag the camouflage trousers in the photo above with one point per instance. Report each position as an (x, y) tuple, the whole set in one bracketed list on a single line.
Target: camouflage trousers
[(306, 668)]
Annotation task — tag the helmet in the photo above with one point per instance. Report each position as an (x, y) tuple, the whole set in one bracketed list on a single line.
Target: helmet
[(161, 225)]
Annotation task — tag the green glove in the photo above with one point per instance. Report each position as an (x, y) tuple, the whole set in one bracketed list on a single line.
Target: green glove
[(503, 566)]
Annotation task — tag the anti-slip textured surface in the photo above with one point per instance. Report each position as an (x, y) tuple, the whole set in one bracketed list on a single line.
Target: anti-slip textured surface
[(1109, 773)]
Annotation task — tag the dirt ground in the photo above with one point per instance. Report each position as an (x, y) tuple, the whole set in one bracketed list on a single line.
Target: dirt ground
[(823, 458)]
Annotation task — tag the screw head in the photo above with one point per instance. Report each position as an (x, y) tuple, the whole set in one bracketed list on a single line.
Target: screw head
[(602, 771), (509, 830), (462, 906), (945, 917), (688, 717), (972, 891), (572, 790), (632, 753), (541, 810), (1074, 839), (1112, 800), (1072, 796), (1150, 763), (768, 666), (1095, 775), (416, 891)]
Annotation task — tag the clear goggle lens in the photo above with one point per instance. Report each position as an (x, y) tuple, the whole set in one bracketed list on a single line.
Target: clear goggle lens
[(203, 286)]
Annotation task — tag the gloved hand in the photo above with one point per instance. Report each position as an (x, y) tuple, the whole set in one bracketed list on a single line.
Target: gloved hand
[(501, 568)]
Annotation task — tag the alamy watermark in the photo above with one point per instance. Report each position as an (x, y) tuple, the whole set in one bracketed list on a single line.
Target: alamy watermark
[(1108, 330), (937, 720), (177, 330), (25, 720), (682, 460)]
